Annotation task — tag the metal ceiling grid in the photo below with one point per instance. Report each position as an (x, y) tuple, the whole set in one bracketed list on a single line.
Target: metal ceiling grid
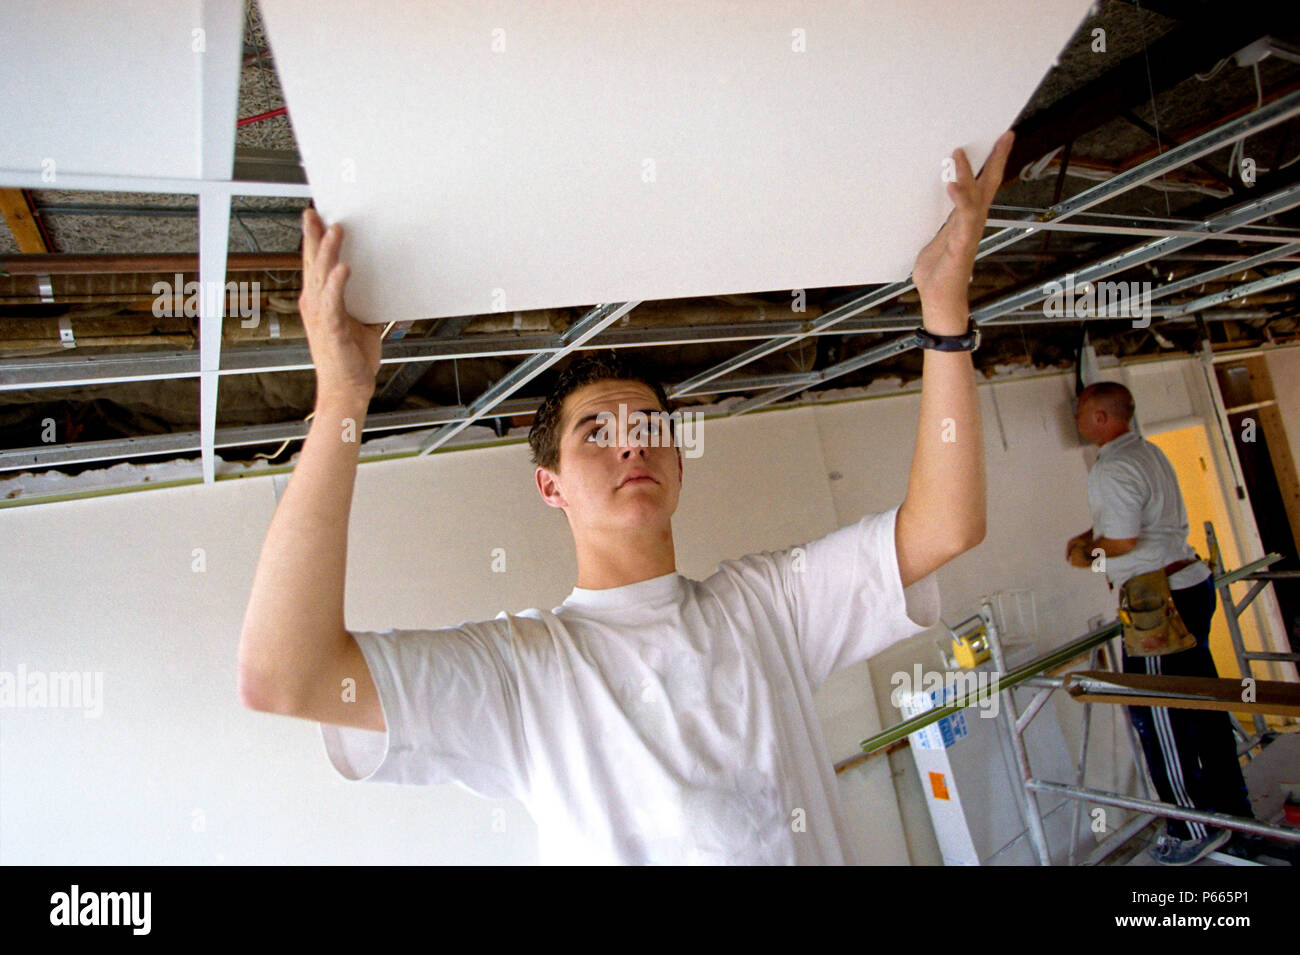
[(540, 352)]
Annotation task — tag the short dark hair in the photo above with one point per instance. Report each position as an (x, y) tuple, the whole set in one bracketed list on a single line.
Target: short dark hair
[(1112, 396), (605, 365)]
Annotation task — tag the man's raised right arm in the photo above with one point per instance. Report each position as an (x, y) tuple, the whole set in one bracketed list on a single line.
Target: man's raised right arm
[(294, 652)]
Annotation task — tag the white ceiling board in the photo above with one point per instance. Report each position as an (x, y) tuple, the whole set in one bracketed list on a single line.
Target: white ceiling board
[(546, 153), (113, 88)]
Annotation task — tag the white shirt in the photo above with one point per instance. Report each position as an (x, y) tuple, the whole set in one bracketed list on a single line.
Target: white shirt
[(1133, 492), (666, 721)]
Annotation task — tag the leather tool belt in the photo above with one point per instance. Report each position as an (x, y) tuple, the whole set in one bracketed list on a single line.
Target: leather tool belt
[(1152, 625)]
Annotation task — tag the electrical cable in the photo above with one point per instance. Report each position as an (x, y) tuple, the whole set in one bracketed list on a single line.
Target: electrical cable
[(280, 450)]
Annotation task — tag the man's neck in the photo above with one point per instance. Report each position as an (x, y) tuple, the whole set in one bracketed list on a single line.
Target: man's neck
[(1118, 434), (616, 560)]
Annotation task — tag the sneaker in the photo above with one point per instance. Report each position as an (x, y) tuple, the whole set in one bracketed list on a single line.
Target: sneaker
[(1185, 853), (1166, 846)]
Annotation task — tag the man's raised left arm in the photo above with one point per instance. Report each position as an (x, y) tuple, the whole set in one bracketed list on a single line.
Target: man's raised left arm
[(943, 512)]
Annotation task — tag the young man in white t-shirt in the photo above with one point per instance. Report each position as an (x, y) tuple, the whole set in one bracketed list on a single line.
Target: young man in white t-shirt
[(649, 718)]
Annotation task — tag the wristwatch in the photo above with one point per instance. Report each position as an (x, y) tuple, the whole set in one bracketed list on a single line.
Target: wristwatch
[(966, 342)]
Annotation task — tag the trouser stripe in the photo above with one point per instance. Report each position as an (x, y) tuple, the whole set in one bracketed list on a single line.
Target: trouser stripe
[(1170, 756)]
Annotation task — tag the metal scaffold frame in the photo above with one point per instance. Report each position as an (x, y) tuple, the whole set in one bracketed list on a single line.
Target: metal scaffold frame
[(1094, 644), (1232, 611)]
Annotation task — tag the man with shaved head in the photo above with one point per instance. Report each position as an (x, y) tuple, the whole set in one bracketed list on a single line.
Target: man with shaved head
[(1139, 525), (1110, 397)]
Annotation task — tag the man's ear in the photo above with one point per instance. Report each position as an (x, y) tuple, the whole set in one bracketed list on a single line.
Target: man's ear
[(549, 488)]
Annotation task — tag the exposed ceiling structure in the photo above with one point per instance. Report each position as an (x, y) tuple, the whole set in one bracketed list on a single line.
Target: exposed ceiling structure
[(1164, 148)]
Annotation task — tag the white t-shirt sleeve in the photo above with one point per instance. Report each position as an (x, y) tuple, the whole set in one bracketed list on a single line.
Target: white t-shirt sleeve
[(451, 704), (847, 599), (1117, 495), (849, 602)]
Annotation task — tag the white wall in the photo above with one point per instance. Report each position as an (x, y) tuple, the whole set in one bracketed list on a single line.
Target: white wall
[(176, 771)]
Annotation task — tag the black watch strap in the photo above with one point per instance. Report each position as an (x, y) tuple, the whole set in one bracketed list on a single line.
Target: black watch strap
[(965, 342)]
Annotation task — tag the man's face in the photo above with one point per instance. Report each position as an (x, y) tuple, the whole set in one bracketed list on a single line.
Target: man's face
[(602, 487)]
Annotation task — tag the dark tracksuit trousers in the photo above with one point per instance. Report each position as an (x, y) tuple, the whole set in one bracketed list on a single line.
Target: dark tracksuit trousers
[(1191, 754)]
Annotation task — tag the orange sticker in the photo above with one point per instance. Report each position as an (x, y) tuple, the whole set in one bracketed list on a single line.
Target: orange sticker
[(938, 786)]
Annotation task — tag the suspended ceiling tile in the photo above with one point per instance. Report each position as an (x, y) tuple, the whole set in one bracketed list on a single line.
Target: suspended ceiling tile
[(535, 154), (118, 89)]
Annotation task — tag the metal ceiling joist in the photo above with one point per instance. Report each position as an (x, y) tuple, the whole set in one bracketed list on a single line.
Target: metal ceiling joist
[(587, 327), (1038, 318), (116, 449), (1183, 311), (1271, 238), (85, 370), (1223, 271), (82, 370)]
